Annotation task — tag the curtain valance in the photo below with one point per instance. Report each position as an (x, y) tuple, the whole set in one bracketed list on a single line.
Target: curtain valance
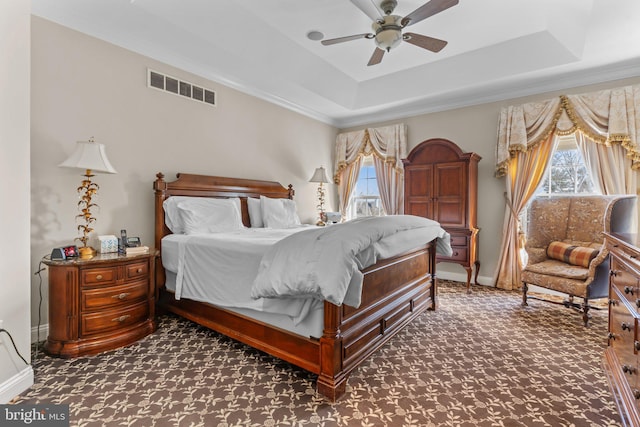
[(607, 117), (387, 143)]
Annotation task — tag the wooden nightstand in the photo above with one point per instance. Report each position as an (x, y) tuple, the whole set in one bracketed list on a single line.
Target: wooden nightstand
[(100, 303)]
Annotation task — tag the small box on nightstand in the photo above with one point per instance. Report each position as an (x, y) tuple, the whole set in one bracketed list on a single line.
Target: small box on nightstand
[(107, 244)]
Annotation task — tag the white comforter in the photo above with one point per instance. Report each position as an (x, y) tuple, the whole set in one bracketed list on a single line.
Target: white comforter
[(325, 263)]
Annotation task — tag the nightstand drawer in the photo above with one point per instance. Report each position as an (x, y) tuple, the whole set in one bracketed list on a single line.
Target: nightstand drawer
[(104, 321), (138, 269), (102, 276), (460, 253), (458, 240), (114, 296), (625, 279)]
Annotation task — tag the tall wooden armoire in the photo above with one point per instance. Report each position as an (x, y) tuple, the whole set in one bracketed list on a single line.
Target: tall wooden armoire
[(441, 183)]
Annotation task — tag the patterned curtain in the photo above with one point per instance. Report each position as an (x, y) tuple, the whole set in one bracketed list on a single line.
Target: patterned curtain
[(609, 118), (388, 145)]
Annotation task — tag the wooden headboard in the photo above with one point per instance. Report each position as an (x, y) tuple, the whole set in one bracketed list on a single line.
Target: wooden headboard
[(211, 186)]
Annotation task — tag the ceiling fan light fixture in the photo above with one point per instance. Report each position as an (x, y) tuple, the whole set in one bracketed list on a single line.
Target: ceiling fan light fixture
[(388, 32)]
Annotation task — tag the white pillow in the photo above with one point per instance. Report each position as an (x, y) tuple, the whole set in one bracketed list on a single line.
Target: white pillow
[(192, 215), (279, 213), (255, 212)]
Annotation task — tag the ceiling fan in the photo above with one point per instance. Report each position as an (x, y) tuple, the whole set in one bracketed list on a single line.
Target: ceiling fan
[(388, 28)]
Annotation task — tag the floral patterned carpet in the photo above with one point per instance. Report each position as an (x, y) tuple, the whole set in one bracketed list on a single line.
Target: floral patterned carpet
[(478, 360)]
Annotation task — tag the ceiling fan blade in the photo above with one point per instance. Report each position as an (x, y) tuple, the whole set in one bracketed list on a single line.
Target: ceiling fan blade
[(425, 42), (369, 8), (347, 39), (426, 10), (376, 58)]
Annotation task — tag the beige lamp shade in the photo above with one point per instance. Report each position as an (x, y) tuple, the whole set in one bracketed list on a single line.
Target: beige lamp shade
[(89, 155), (320, 175)]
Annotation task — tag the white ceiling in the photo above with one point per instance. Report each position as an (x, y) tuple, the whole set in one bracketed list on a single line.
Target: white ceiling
[(498, 49)]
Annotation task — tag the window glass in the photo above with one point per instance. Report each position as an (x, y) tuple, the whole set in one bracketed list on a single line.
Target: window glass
[(567, 173), (365, 199)]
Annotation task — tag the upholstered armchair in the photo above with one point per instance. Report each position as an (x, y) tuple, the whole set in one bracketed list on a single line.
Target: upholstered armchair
[(565, 245)]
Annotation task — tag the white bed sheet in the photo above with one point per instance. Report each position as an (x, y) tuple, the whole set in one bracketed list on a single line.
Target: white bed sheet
[(220, 269)]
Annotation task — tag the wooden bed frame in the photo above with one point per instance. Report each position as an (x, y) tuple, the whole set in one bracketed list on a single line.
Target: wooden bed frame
[(395, 291)]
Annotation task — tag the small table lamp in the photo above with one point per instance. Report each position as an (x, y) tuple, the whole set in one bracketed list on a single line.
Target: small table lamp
[(320, 176), (91, 156)]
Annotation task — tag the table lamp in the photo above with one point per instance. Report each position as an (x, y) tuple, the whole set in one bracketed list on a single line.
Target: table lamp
[(90, 156), (320, 176)]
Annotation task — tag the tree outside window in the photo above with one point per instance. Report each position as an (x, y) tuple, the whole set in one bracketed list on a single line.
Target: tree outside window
[(567, 173)]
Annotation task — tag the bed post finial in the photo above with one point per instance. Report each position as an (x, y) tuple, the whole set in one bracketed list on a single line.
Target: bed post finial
[(292, 192), (159, 183)]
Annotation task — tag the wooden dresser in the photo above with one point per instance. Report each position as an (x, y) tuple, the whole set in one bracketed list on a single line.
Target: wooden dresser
[(622, 358), (441, 183), (99, 304)]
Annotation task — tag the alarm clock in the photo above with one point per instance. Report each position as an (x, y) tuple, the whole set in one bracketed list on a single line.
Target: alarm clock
[(64, 252)]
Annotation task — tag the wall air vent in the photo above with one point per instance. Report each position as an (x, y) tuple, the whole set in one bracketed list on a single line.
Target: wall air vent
[(179, 87)]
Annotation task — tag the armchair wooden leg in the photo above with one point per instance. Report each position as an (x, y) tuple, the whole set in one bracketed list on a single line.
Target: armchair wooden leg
[(525, 287), (585, 312)]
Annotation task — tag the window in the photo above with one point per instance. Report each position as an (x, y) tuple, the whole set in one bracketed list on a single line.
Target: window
[(567, 173), (365, 200)]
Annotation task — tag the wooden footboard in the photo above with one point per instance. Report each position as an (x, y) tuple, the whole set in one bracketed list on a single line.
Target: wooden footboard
[(395, 291)]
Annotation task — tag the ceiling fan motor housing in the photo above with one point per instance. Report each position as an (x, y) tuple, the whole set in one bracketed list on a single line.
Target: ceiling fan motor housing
[(388, 6), (388, 32)]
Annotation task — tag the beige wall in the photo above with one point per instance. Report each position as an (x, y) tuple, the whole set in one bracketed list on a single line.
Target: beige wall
[(474, 129), (15, 376), (83, 87)]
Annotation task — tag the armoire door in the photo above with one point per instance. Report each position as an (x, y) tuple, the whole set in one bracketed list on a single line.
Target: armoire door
[(419, 198), (450, 194)]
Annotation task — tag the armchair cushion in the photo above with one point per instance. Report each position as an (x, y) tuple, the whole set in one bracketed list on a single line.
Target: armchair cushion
[(552, 267), (571, 254)]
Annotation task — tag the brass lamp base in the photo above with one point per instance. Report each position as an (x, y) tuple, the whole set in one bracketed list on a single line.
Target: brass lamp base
[(87, 252)]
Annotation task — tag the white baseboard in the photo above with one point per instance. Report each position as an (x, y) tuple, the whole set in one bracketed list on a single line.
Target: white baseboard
[(16, 384), (44, 332), (462, 277)]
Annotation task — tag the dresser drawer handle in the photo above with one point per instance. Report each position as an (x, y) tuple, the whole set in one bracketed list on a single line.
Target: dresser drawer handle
[(614, 273), (139, 270), (611, 336), (99, 277), (628, 369), (625, 326), (636, 345), (121, 318), (614, 302), (636, 394), (638, 303), (628, 289), (121, 296)]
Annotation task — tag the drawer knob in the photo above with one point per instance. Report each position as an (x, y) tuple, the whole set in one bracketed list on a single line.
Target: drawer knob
[(99, 277), (636, 394), (139, 270), (614, 302), (121, 318), (638, 303), (625, 326), (628, 369), (628, 289), (611, 336), (121, 296), (636, 345)]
